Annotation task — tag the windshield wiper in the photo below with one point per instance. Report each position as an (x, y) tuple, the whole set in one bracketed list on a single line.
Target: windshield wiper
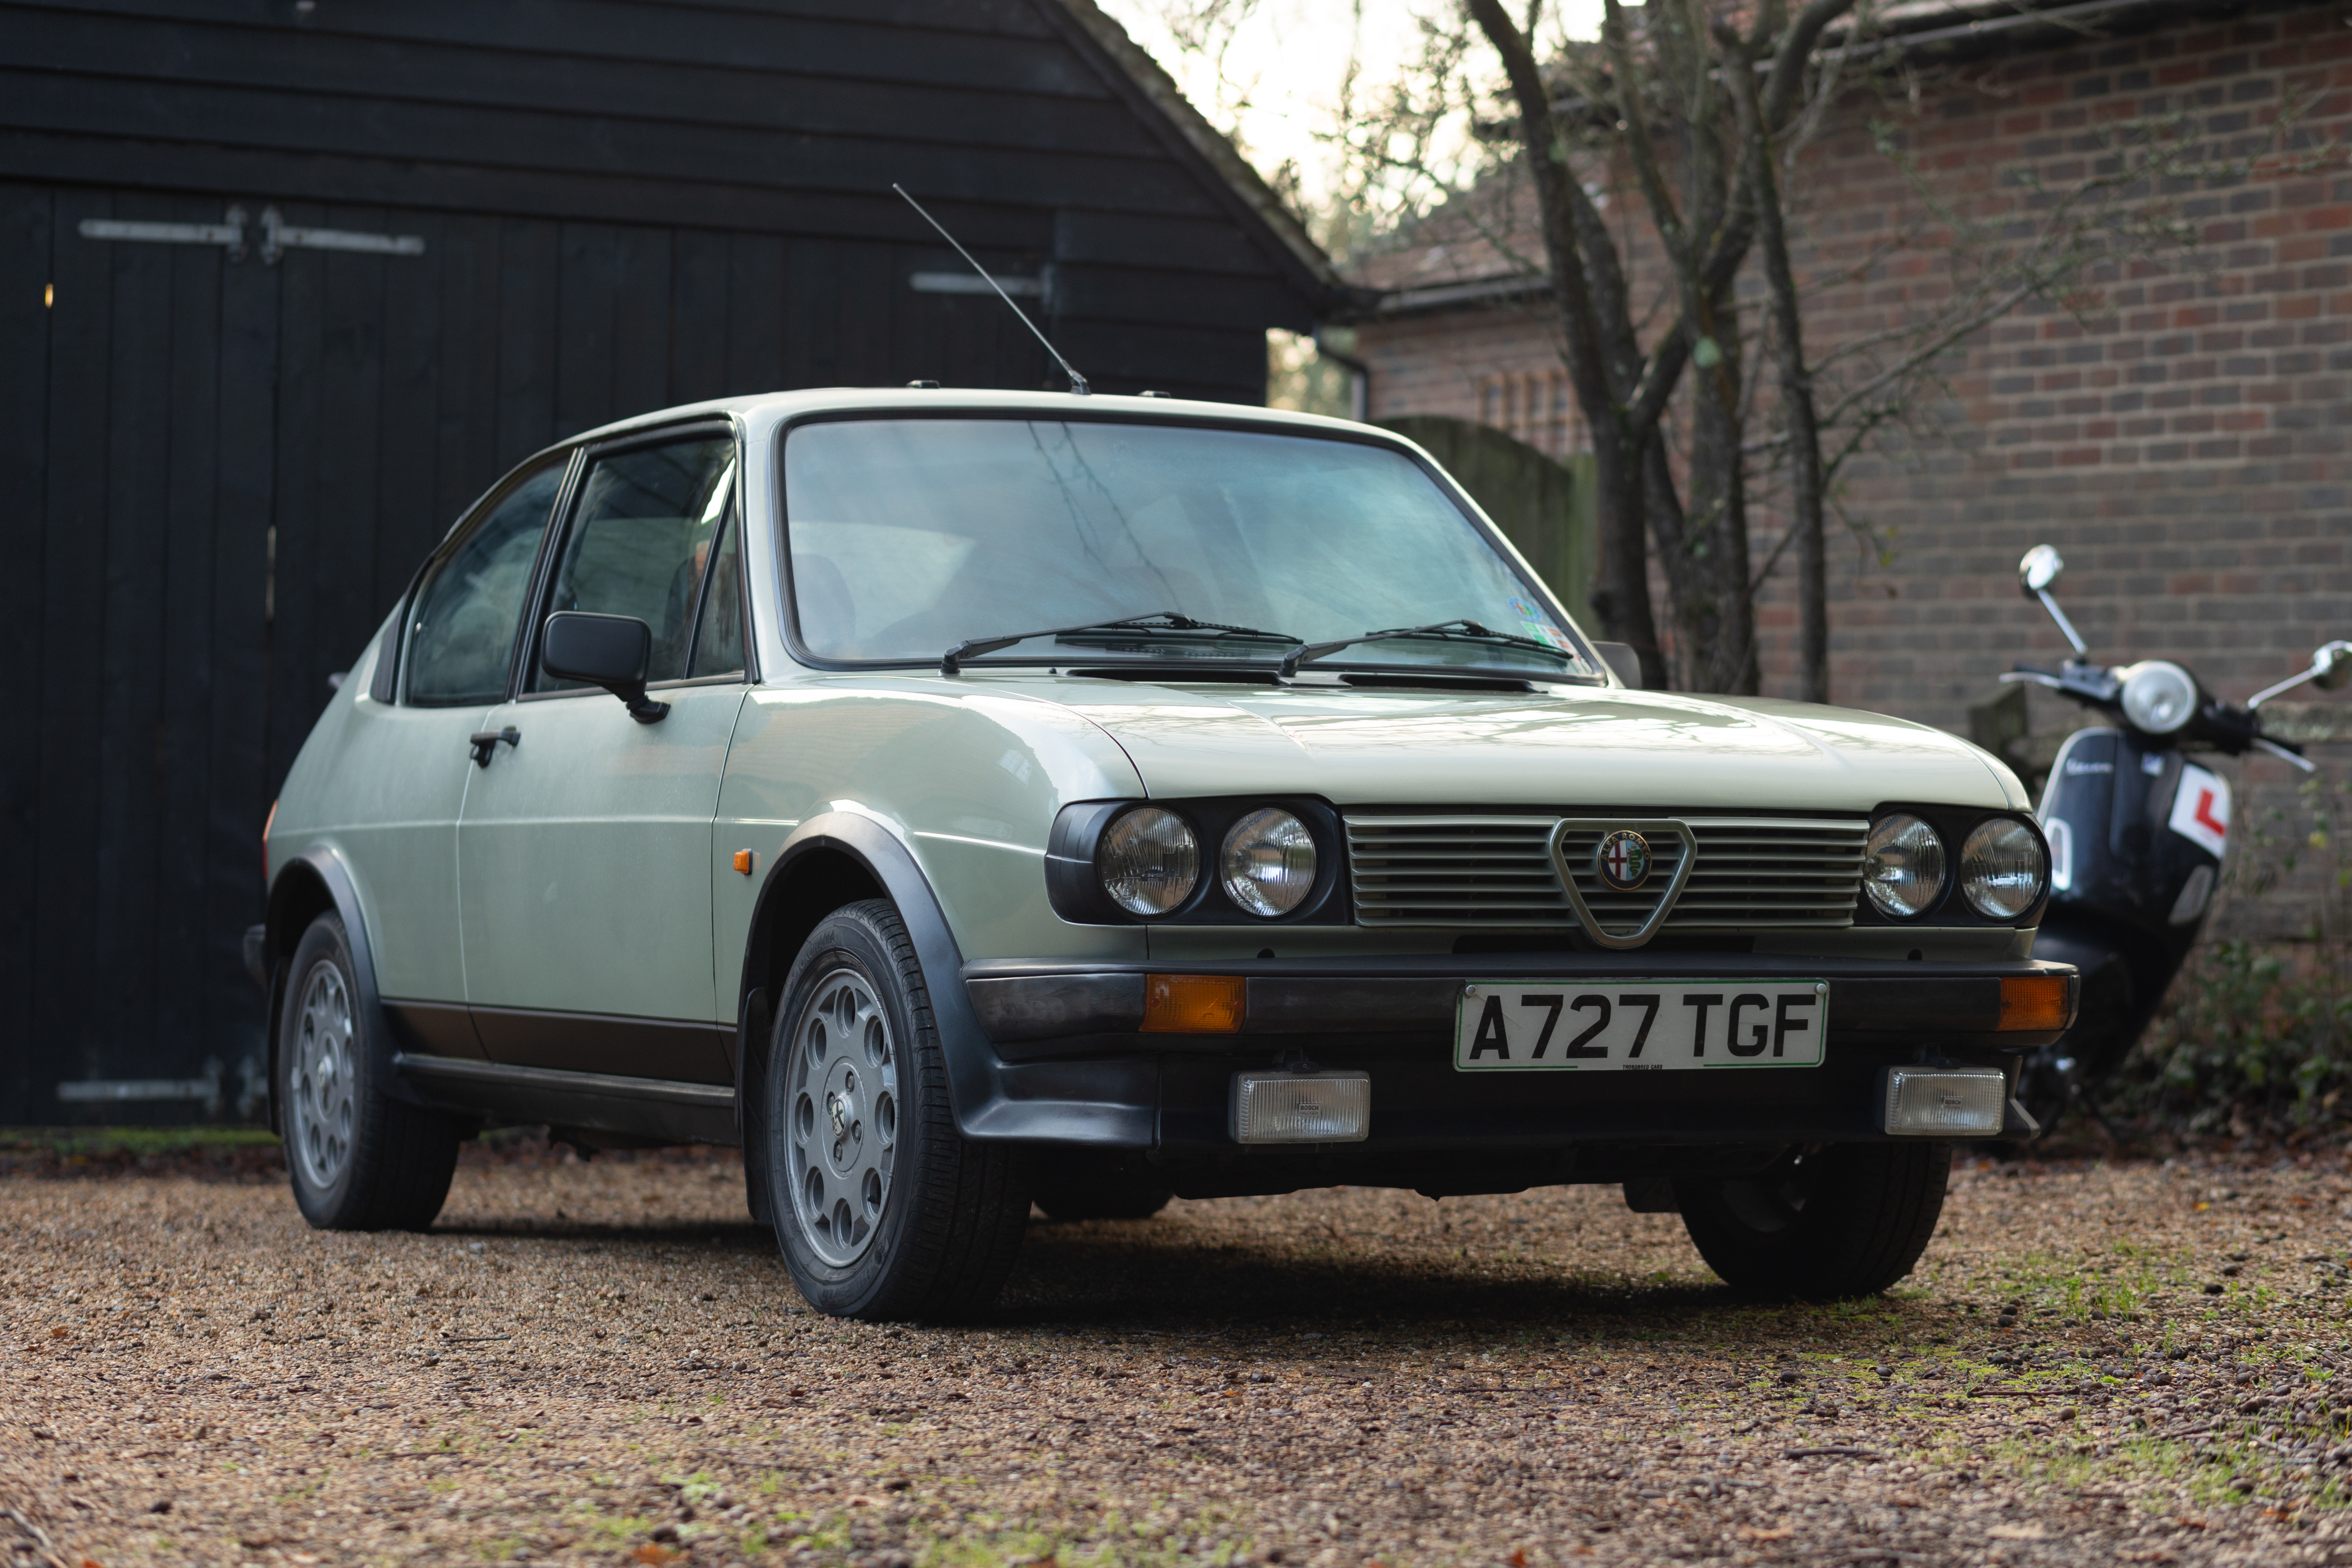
[(1441, 631), (951, 661)]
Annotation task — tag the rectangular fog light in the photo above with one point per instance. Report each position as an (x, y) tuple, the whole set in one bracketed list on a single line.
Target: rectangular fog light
[(1945, 1102), (1301, 1107)]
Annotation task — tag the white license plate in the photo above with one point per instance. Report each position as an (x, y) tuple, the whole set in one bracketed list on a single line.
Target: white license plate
[(1641, 1025)]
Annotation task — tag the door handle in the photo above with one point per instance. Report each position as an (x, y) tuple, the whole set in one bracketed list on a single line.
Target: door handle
[(485, 742)]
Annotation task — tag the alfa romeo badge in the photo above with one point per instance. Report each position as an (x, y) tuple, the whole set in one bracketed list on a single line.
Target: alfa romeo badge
[(1622, 860)]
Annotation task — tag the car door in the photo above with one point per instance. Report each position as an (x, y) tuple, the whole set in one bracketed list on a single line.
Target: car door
[(585, 851), (403, 767)]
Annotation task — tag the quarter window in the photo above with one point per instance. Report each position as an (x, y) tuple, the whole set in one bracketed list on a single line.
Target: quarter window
[(649, 525), (461, 637)]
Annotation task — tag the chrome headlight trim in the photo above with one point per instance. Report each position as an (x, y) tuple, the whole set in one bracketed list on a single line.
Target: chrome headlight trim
[(2158, 696)]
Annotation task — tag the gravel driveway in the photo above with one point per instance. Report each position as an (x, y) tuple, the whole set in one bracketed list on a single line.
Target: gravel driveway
[(605, 1363)]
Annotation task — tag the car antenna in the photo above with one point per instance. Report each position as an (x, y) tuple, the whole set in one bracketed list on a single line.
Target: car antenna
[(1077, 382)]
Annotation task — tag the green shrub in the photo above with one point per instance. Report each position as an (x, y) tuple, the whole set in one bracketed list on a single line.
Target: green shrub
[(2255, 1037)]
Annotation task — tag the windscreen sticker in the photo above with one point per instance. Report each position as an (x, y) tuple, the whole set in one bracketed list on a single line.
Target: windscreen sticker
[(1534, 625), (2200, 812)]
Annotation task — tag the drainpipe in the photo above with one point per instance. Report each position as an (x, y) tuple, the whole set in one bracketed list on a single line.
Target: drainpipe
[(1359, 391)]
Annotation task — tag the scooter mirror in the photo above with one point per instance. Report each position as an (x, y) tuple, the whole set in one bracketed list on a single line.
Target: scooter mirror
[(2039, 569), (2331, 666)]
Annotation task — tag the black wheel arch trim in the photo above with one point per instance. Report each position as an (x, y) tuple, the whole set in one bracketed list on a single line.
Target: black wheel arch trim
[(982, 1094), (289, 915)]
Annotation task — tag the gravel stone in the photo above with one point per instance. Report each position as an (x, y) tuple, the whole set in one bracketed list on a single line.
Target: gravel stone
[(605, 1364)]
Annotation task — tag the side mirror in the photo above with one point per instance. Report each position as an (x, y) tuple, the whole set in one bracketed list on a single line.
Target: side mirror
[(2039, 570), (2331, 670), (609, 651), (2331, 666), (1623, 660)]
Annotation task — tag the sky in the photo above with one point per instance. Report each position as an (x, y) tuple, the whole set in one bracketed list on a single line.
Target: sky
[(1284, 68)]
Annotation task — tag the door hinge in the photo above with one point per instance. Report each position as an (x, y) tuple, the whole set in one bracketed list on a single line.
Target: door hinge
[(277, 236)]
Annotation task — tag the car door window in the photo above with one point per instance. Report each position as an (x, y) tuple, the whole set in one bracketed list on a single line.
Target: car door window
[(647, 527), (462, 634), (719, 643)]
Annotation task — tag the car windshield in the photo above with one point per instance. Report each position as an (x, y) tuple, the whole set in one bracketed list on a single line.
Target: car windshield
[(908, 537)]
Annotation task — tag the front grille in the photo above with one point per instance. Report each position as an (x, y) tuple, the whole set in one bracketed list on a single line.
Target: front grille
[(1496, 872)]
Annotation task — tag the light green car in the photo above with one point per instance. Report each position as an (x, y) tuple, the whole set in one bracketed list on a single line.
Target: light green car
[(964, 800)]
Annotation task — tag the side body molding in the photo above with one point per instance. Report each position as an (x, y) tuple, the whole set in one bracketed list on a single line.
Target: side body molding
[(990, 1099)]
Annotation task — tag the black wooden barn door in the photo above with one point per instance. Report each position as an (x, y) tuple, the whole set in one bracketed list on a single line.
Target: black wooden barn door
[(196, 537), (138, 388)]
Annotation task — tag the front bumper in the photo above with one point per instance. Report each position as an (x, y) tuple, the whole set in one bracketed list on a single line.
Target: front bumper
[(1073, 1035)]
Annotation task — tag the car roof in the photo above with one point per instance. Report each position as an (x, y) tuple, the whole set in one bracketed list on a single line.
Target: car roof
[(761, 412)]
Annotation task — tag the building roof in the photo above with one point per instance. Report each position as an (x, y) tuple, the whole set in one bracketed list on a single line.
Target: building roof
[(1033, 126)]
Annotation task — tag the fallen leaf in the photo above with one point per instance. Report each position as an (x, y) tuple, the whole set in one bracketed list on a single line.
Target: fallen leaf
[(2189, 1522), (2018, 1533), (1906, 1499), (1751, 1532), (57, 1335), (652, 1551), (1519, 1558)]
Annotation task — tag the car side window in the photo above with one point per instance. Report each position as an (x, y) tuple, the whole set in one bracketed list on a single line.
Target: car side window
[(719, 643), (644, 536), (461, 633)]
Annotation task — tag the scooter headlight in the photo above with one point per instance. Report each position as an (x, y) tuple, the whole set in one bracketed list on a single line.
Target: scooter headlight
[(2002, 868), (1902, 865), (2159, 697)]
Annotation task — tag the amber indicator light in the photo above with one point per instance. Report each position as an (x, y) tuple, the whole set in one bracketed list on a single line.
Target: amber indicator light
[(1192, 1005), (744, 860), (2033, 1002)]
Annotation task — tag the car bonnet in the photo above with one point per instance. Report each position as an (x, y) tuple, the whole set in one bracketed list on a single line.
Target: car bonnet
[(1553, 746)]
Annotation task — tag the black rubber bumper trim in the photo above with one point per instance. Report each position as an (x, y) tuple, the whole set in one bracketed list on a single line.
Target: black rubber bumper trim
[(1021, 1004)]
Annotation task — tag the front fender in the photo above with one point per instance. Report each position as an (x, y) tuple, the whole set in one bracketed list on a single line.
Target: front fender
[(811, 870)]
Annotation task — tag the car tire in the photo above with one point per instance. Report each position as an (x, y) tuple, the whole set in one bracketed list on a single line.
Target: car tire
[(1825, 1224), (359, 1159), (882, 1209), (1074, 1186)]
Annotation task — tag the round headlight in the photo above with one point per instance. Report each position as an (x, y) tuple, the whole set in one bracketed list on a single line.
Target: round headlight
[(1149, 861), (1903, 868), (2158, 696), (1268, 862), (2002, 868)]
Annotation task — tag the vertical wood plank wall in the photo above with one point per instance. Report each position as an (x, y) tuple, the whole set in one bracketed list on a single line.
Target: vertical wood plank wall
[(216, 475), (219, 475)]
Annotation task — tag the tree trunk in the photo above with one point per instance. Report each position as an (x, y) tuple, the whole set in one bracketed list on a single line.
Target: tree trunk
[(1796, 411), (1624, 595)]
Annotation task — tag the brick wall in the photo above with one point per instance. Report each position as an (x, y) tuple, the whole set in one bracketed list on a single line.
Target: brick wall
[(2182, 441)]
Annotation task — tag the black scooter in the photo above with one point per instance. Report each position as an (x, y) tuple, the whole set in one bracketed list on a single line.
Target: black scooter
[(2137, 831)]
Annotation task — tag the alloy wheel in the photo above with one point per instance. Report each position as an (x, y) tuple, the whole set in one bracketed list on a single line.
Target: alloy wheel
[(323, 1100), (844, 1111)]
